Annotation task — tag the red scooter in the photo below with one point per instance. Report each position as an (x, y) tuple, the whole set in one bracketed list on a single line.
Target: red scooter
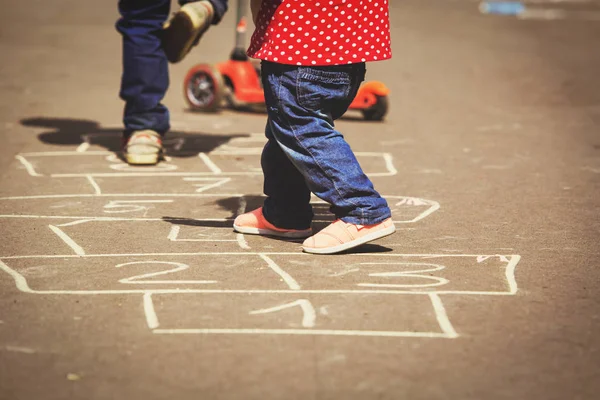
[(236, 83)]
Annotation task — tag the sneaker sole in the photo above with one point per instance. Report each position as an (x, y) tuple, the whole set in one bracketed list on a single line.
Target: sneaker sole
[(270, 232), (142, 159), (184, 28), (353, 243)]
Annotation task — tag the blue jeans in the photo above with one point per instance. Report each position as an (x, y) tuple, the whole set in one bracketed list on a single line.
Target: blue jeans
[(145, 76), (305, 153)]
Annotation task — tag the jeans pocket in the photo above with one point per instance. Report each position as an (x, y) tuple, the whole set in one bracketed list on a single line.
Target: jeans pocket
[(320, 88)]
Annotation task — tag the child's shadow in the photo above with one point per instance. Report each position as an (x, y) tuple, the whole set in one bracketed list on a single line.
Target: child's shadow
[(69, 132)]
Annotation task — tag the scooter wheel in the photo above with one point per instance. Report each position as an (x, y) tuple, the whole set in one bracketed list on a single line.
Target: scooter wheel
[(204, 88), (378, 111)]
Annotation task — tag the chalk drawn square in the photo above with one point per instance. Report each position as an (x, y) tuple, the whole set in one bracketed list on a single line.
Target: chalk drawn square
[(209, 236), (402, 315), (164, 185), (106, 163), (30, 237), (73, 163), (141, 274), (428, 273)]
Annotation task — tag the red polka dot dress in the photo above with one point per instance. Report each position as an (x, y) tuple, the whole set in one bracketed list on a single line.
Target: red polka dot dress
[(322, 32)]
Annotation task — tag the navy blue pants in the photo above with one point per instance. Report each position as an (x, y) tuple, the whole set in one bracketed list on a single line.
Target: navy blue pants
[(145, 76)]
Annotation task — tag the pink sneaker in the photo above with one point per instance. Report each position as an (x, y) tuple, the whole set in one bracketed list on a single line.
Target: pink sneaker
[(340, 236), (254, 223)]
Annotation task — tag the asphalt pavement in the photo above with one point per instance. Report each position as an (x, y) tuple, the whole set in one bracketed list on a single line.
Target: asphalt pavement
[(120, 282)]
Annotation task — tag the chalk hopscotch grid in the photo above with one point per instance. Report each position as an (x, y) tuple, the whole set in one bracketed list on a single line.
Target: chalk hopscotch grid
[(446, 328)]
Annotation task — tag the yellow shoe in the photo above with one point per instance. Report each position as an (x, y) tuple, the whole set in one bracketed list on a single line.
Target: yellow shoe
[(143, 148), (186, 27), (340, 236)]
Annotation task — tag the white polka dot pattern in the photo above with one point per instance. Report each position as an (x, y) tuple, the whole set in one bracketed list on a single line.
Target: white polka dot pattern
[(322, 32)]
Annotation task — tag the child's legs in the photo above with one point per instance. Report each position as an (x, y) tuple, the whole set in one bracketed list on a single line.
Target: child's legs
[(288, 198), (145, 76), (302, 103)]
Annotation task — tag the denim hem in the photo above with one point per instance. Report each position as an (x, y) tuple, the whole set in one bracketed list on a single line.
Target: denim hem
[(366, 220)]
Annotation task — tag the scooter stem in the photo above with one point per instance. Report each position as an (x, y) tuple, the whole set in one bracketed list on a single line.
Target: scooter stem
[(239, 51)]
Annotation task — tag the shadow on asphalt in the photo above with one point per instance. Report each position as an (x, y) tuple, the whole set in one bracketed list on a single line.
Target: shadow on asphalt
[(195, 222), (323, 216), (228, 224), (69, 132), (232, 204), (64, 131), (367, 248)]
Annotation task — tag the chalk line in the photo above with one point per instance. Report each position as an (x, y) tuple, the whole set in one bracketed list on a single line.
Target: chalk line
[(28, 166), (62, 196), (204, 187), (81, 221), (231, 253), (104, 219), (82, 148), (174, 233), (258, 291), (66, 153), (258, 172), (209, 163), (150, 174), (287, 278), (510, 273), (412, 273), (389, 164), (139, 279), (308, 332), (434, 206), (241, 239), (308, 311), (442, 316), (172, 236), (20, 281), (151, 318), (65, 238), (19, 349), (92, 182)]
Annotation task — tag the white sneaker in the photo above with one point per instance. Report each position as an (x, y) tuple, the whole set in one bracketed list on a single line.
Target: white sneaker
[(143, 148)]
